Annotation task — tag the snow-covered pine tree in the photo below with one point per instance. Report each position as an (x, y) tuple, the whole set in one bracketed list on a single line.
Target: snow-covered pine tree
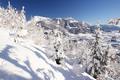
[(58, 46), (99, 57)]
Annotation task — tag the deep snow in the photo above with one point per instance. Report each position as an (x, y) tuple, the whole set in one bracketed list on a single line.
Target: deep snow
[(26, 61)]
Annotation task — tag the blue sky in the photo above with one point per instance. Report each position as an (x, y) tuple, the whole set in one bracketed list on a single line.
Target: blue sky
[(86, 10)]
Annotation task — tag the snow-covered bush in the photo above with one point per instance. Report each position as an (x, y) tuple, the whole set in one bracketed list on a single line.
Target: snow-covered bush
[(12, 18)]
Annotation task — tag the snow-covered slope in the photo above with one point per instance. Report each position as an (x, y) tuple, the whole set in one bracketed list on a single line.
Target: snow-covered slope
[(26, 61)]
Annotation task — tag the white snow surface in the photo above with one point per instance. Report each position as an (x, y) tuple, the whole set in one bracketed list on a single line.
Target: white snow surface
[(41, 18), (27, 61)]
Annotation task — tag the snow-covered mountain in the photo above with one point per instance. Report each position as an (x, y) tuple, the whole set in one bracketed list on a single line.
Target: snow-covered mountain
[(114, 21), (107, 27), (70, 24)]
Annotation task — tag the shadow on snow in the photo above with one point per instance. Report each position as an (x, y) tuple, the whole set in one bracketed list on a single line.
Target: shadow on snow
[(5, 55)]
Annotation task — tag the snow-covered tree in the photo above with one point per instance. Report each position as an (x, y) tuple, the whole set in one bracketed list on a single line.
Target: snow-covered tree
[(58, 46), (12, 18), (97, 62), (100, 56)]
